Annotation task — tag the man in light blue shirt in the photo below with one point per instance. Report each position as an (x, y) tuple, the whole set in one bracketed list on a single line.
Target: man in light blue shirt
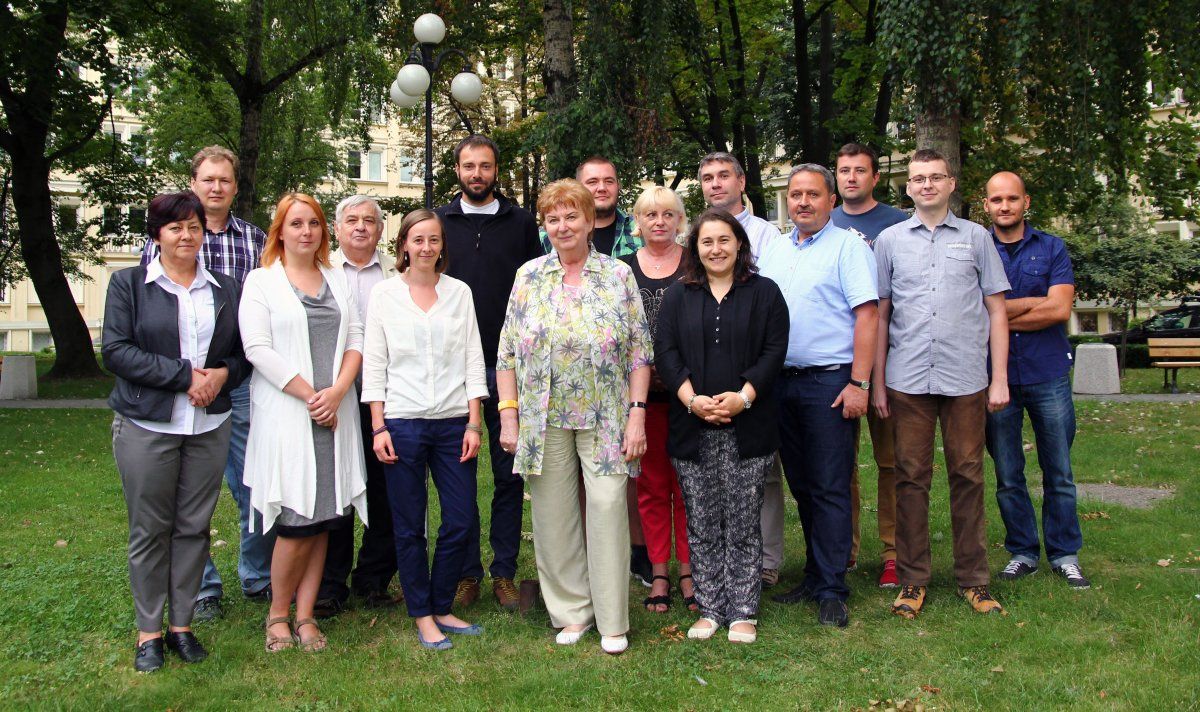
[(827, 276)]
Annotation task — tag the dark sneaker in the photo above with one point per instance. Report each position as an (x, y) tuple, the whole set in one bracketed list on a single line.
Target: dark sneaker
[(262, 595), (326, 608), (833, 612), (185, 645), (1016, 570), (908, 603), (640, 567), (770, 577), (803, 592), (506, 593), (1074, 576), (980, 599), (149, 656), (207, 609), (467, 592)]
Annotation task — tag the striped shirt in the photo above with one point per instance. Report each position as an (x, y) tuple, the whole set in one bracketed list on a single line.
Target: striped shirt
[(233, 251)]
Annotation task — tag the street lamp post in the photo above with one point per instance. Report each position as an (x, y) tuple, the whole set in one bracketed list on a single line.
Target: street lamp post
[(416, 78)]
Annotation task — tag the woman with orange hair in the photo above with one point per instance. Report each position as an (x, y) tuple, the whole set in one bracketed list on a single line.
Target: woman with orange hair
[(304, 462)]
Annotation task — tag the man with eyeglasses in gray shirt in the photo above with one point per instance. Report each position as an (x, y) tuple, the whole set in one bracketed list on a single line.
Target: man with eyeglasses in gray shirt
[(941, 307)]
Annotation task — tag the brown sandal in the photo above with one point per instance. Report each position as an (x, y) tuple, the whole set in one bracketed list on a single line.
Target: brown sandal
[(315, 645), (276, 643)]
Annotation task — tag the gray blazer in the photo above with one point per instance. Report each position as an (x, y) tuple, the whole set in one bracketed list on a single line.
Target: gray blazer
[(141, 345)]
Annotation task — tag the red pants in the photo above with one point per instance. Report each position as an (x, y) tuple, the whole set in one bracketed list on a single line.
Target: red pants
[(660, 502)]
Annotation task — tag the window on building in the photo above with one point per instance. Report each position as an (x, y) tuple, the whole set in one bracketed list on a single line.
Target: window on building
[(137, 220), (354, 164), (67, 216), (111, 224), (3, 295), (407, 169), (772, 200), (3, 339), (366, 166), (39, 340), (137, 147), (1118, 321), (375, 165), (1087, 322)]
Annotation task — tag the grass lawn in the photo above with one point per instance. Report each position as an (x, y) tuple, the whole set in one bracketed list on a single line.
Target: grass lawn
[(1132, 642)]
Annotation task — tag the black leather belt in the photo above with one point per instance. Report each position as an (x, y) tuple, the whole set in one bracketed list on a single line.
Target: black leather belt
[(794, 371)]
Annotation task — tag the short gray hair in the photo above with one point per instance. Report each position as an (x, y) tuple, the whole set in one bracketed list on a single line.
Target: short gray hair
[(830, 181), (353, 202), (721, 157)]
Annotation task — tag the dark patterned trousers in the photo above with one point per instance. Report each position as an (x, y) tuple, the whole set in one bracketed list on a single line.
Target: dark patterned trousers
[(724, 495)]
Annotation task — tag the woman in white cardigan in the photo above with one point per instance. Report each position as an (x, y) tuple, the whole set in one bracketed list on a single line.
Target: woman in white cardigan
[(424, 378), (304, 467)]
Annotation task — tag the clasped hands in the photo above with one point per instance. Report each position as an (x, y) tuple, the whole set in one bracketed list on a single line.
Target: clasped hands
[(718, 409), (206, 384), (323, 406)]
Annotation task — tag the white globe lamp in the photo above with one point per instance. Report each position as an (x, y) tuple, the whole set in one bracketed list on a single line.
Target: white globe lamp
[(466, 88), (429, 29)]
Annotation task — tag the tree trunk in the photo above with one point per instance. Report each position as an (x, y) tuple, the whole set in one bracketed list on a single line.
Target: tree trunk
[(883, 104), (745, 129), (825, 109), (74, 356), (802, 96), (558, 77), (939, 128), (248, 152)]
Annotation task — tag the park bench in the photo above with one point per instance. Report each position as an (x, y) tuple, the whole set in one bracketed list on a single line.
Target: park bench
[(1174, 352)]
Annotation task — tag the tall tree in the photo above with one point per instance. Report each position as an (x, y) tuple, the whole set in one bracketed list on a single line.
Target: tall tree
[(256, 47), (57, 79)]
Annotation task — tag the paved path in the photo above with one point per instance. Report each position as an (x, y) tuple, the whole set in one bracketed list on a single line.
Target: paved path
[(1142, 397), (94, 403)]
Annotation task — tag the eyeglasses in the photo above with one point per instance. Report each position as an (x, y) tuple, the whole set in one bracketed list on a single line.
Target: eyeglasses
[(935, 179)]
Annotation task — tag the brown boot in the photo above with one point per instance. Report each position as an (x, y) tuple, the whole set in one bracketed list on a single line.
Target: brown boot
[(467, 592), (980, 599), (908, 603), (506, 593)]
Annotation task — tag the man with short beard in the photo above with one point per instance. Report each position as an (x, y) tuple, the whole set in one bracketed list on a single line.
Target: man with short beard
[(1039, 360), (488, 238)]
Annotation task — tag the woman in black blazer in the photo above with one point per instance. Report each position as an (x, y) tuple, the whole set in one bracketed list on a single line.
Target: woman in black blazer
[(722, 337), (171, 338)]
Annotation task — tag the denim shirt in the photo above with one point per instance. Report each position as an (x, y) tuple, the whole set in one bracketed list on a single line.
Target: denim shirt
[(1039, 262)]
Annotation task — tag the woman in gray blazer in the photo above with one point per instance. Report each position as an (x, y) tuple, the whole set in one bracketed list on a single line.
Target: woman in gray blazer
[(171, 338)]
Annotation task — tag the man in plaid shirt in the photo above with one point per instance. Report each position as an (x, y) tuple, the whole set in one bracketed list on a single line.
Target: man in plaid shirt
[(231, 246)]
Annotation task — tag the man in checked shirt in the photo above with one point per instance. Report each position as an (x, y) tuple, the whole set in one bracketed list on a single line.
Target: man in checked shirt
[(231, 246)]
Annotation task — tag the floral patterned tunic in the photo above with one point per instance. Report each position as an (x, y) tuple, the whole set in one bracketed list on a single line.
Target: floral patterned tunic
[(610, 332)]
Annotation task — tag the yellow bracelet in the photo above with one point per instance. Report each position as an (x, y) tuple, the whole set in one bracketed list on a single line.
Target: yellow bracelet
[(506, 404)]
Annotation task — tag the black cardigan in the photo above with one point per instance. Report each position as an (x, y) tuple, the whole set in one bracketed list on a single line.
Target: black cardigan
[(141, 345), (759, 339)]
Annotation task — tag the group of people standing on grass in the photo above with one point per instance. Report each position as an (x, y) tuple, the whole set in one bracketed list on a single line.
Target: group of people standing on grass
[(653, 381)]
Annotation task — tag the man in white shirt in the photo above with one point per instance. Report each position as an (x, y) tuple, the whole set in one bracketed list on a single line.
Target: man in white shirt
[(723, 183), (358, 224)]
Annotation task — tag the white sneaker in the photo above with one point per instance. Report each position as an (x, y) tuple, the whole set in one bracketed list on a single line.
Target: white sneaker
[(571, 637), (699, 632), (738, 637), (614, 644)]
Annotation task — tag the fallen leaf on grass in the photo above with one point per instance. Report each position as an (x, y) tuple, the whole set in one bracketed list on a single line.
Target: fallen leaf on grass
[(1021, 624), (1137, 587), (372, 623), (60, 544), (1161, 562), (998, 668), (1103, 694), (931, 689), (527, 536), (672, 632), (1089, 516), (219, 543)]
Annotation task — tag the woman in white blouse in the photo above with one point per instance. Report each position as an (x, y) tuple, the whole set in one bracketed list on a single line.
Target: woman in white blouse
[(304, 461), (424, 379)]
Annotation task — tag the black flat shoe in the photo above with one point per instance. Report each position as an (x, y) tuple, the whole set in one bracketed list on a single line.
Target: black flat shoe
[(186, 646), (833, 613), (149, 656)]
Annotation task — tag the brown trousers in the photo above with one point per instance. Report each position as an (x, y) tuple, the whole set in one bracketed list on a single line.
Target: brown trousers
[(883, 442), (962, 421)]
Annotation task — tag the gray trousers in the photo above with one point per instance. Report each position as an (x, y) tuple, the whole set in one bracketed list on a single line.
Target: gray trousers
[(724, 496), (171, 484), (772, 517)]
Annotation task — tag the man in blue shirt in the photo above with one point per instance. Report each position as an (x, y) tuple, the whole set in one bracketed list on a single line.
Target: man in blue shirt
[(861, 214), (1039, 359), (827, 276)]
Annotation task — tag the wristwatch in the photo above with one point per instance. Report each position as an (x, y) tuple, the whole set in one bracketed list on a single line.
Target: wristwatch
[(746, 402), (865, 385)]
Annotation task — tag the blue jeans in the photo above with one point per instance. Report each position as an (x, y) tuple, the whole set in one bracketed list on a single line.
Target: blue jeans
[(1052, 414), (817, 450), (254, 558), (508, 502), (422, 443)]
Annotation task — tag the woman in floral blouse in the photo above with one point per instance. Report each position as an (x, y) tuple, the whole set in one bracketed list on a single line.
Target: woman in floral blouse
[(572, 374)]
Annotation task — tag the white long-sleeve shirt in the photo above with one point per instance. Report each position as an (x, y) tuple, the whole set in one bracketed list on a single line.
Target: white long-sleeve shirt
[(422, 364)]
